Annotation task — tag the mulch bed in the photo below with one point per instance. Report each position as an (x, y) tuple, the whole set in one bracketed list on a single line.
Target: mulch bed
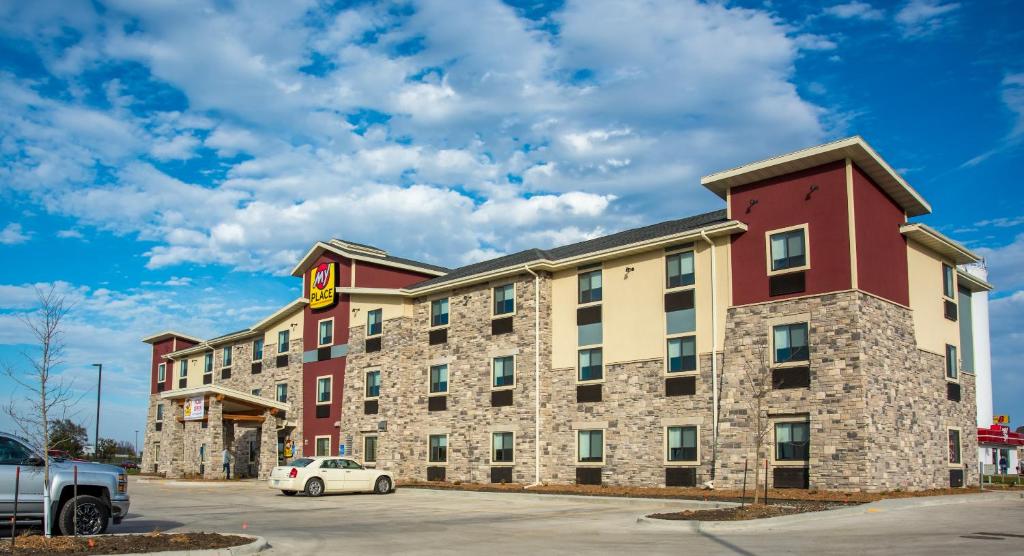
[(689, 493), (750, 511), (120, 544)]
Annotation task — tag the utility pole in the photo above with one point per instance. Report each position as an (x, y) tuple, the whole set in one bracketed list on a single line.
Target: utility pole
[(99, 386), (136, 444)]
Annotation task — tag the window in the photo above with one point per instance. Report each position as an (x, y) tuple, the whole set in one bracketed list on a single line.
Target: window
[(161, 372), (948, 283), (504, 299), (374, 322), (954, 446), (257, 392), (282, 341), (373, 384), (590, 365), (682, 354), (439, 379), (951, 363), (159, 412), (326, 337), (282, 392), (226, 356), (591, 446), (590, 286), (788, 250), (679, 270), (438, 448), (502, 447), (790, 343), (323, 445), (792, 441), (439, 312), (257, 349), (183, 368), (208, 363), (682, 444), (369, 449), (503, 371), (323, 390), (13, 452), (252, 451)]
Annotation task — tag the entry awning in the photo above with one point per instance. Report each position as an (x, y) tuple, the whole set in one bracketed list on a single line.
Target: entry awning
[(238, 396), (1000, 435)]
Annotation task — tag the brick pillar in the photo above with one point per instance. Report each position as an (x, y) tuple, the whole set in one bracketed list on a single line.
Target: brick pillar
[(215, 426), (268, 445)]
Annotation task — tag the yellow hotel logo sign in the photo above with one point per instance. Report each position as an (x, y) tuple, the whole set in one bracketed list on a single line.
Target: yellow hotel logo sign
[(321, 285)]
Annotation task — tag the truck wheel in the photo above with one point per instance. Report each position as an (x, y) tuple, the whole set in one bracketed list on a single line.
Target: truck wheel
[(315, 487), (93, 516)]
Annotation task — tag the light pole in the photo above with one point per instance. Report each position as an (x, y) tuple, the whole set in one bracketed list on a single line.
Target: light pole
[(136, 444), (99, 386)]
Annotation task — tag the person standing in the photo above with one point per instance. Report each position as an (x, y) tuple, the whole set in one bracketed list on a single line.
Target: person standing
[(226, 456), (1003, 465)]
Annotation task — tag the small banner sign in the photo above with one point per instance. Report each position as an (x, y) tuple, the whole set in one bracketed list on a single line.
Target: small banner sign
[(1001, 420), (195, 409)]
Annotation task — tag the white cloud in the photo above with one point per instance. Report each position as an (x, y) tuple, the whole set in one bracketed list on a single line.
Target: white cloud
[(12, 234), (1012, 95), (70, 234), (855, 10), (920, 18), (1007, 330), (1006, 264), (811, 41)]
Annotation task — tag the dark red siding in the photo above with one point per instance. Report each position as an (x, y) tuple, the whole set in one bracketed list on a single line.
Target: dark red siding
[(788, 201), (369, 275), (160, 349), (881, 248)]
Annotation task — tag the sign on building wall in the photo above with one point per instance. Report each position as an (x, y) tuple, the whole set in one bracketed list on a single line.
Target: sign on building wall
[(321, 285), (1001, 420), (194, 409)]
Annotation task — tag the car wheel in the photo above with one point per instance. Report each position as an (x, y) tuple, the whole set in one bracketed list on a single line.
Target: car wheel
[(288, 492), (93, 516), (315, 487), (383, 486)]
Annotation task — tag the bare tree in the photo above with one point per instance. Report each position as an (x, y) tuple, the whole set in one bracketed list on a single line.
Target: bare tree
[(47, 396), (759, 387)]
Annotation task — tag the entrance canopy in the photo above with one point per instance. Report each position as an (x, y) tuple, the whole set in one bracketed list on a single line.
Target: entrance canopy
[(236, 404), (999, 436)]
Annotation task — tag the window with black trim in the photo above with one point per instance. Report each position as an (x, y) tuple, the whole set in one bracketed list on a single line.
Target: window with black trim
[(503, 371), (183, 368), (681, 444), (948, 282), (792, 441), (682, 354), (788, 249), (374, 322), (502, 450), (281, 394), (952, 369), (590, 446), (208, 363), (504, 299), (372, 384), (590, 286), (226, 356), (590, 364), (323, 390), (438, 448), (789, 343), (679, 270), (439, 312), (282, 341), (369, 449), (955, 456), (159, 412)]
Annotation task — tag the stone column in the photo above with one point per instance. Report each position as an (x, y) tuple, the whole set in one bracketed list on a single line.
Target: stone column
[(215, 426), (268, 445)]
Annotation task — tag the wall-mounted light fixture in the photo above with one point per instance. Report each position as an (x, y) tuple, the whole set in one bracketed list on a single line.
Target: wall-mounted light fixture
[(813, 188), (751, 204), (628, 270)]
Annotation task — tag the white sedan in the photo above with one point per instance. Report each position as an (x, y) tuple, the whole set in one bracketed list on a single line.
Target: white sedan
[(319, 475)]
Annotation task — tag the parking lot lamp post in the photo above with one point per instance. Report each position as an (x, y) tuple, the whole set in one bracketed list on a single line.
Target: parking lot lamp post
[(99, 385)]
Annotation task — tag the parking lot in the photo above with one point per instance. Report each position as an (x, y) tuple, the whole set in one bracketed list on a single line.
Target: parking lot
[(439, 522)]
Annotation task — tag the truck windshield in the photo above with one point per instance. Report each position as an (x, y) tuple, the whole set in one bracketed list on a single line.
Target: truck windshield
[(301, 462)]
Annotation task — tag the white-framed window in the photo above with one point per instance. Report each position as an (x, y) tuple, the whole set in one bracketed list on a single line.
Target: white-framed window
[(590, 446), (282, 341), (323, 445), (257, 349), (325, 336), (589, 286), (372, 384), (323, 389), (789, 343), (504, 299), (281, 393), (682, 354), (502, 448), (439, 379), (226, 356), (955, 447), (681, 444), (439, 312), (591, 367), (679, 270), (375, 322), (208, 363), (161, 372), (788, 249), (370, 448), (792, 441), (438, 444), (159, 412), (183, 368), (503, 372), (952, 368)]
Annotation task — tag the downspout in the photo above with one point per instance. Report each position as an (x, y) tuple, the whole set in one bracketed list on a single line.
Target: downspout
[(714, 357), (536, 375)]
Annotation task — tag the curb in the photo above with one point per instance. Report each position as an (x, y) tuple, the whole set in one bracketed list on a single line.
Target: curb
[(896, 504), (258, 544), (209, 483), (593, 498)]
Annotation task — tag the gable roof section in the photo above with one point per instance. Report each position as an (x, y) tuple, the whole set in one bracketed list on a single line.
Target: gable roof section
[(855, 148), (365, 253), (590, 246), (167, 335)]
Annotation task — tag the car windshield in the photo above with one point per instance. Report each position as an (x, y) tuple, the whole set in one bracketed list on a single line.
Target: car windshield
[(301, 462)]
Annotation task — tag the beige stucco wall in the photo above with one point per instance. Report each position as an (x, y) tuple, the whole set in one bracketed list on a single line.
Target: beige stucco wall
[(292, 322), (932, 329), (393, 306), (633, 310)]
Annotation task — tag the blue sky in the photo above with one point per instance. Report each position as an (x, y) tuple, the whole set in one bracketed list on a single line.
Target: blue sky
[(167, 162)]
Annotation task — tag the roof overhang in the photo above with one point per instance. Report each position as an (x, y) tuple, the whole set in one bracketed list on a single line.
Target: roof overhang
[(371, 291), (231, 338), (972, 282), (168, 334), (280, 314), (199, 348), (939, 243), (227, 393), (320, 247), (854, 148)]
